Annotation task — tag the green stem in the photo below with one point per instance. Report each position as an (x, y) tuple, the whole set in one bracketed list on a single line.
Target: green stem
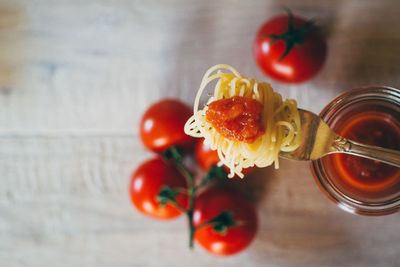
[(215, 172), (191, 194), (192, 229)]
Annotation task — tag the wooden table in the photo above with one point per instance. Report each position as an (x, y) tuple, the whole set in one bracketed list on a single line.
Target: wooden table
[(75, 77)]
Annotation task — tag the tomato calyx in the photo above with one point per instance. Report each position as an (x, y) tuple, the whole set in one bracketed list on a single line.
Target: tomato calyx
[(222, 222), (168, 195), (293, 36)]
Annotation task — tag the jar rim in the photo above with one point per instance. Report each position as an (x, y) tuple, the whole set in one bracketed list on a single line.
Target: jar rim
[(328, 113)]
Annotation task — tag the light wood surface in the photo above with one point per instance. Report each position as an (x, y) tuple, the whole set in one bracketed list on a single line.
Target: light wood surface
[(75, 77)]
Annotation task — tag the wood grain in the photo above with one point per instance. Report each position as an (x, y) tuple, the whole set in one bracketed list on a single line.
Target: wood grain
[(75, 77)]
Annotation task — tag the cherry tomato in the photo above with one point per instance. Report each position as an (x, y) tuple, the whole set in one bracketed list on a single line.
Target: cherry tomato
[(204, 155), (147, 181), (208, 158), (162, 125), (211, 203), (290, 49)]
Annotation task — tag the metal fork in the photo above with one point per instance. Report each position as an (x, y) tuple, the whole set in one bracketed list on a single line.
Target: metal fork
[(319, 140)]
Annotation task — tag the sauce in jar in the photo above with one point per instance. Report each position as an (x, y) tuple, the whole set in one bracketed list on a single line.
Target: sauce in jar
[(237, 118), (369, 115), (371, 128), (363, 179)]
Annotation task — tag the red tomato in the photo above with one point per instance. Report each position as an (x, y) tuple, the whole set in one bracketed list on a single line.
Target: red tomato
[(146, 183), (211, 203), (162, 125), (204, 155), (208, 158), (290, 49)]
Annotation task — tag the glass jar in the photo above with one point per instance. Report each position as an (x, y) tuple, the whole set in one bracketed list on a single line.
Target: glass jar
[(360, 196)]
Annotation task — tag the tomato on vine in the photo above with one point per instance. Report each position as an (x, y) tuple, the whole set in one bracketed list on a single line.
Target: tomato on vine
[(153, 184), (164, 188), (290, 48), (226, 223), (162, 125)]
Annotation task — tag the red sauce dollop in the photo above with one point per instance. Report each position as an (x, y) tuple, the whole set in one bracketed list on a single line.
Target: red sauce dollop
[(372, 128), (237, 118)]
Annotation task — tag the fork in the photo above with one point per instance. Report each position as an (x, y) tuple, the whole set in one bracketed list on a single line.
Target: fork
[(319, 140)]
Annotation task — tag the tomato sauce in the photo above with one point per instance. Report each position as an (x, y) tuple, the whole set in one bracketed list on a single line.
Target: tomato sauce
[(237, 118), (372, 128)]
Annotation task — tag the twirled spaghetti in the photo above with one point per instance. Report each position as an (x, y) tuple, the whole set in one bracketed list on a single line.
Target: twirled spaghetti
[(280, 117)]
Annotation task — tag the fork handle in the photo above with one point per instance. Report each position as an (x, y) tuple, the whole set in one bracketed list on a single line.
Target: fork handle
[(389, 156)]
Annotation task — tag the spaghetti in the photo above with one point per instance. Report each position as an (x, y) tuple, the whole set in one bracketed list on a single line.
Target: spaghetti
[(281, 118)]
